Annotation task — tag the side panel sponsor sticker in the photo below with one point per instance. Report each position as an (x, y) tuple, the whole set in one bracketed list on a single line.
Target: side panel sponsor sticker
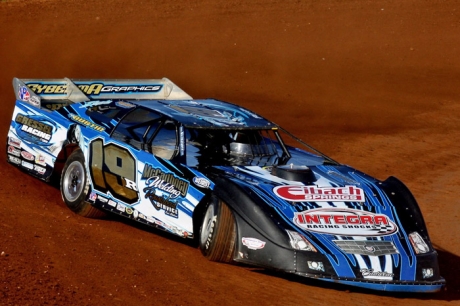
[(27, 155), (14, 160), (201, 182), (253, 243), (12, 141), (14, 151)]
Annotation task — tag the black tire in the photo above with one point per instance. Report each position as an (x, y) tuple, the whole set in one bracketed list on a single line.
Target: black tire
[(218, 232), (75, 186)]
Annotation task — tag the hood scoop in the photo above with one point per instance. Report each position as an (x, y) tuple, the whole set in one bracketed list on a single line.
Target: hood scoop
[(295, 173)]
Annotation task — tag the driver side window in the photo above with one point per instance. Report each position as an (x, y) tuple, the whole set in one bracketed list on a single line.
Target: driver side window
[(136, 128), (165, 142)]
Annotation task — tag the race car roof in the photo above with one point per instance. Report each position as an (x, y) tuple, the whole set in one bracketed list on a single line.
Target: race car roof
[(161, 95), (207, 113)]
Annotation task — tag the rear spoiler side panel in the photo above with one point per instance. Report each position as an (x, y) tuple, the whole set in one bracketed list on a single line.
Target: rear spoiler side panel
[(81, 90)]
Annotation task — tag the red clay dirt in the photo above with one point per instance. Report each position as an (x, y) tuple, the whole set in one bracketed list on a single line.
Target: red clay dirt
[(374, 84)]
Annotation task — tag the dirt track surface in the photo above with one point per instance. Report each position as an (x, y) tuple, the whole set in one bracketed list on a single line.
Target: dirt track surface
[(374, 84)]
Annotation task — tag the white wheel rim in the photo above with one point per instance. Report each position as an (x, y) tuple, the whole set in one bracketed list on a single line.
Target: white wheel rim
[(73, 182)]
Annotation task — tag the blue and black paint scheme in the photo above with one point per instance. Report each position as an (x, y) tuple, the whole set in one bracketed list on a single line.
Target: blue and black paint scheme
[(145, 144)]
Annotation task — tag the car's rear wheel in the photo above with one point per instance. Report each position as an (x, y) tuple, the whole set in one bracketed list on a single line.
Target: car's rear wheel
[(75, 186), (218, 232)]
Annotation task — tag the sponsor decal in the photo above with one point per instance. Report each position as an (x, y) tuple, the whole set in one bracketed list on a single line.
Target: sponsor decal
[(166, 182), (53, 106), (12, 141), (345, 222), (34, 101), (27, 155), (201, 182), (40, 159), (102, 199), (86, 123), (112, 203), (297, 193), (135, 214), (253, 243), (34, 127), (120, 207), (40, 88), (93, 89), (371, 274), (164, 189), (129, 210), (14, 160), (27, 165), (93, 196), (169, 206), (40, 170), (23, 93), (14, 151)]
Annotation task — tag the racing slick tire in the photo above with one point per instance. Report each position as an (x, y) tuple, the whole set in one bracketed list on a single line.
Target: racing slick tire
[(75, 186), (218, 232)]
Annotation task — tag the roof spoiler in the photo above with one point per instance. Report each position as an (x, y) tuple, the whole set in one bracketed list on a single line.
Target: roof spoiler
[(81, 90)]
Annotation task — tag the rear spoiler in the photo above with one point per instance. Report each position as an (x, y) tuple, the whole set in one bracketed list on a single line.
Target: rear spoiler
[(81, 90)]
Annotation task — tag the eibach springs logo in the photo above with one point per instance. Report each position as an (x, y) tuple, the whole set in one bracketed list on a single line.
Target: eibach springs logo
[(296, 193), (345, 222)]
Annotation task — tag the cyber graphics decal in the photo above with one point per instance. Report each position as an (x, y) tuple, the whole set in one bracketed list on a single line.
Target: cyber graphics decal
[(93, 89)]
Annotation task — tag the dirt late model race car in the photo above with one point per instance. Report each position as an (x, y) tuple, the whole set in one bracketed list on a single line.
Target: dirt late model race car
[(223, 175)]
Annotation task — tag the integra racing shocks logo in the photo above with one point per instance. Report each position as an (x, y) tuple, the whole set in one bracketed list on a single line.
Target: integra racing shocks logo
[(34, 130), (345, 222), (164, 189)]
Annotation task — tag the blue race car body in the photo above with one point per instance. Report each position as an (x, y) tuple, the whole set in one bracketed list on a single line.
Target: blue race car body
[(223, 175)]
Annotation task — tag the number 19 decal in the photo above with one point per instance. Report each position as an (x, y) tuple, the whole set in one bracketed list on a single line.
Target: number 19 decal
[(113, 169)]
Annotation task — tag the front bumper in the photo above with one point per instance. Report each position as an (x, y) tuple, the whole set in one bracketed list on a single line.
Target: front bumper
[(264, 253)]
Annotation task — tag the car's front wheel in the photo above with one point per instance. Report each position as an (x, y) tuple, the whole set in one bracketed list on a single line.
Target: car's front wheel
[(218, 232), (75, 186)]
